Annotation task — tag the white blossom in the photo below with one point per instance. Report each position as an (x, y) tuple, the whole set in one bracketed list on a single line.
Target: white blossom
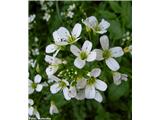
[(109, 53), (35, 51), (83, 55), (94, 84), (54, 64), (118, 77), (92, 23), (36, 85), (61, 85), (71, 7), (128, 49), (31, 18), (63, 37), (53, 109), (70, 14), (32, 63), (46, 16), (31, 110)]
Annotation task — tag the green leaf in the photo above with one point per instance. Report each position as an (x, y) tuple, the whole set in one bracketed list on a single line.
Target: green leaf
[(115, 6), (115, 30), (115, 91)]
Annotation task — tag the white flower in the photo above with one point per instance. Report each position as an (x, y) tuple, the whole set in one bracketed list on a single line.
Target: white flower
[(61, 85), (92, 23), (31, 110), (46, 16), (109, 53), (83, 55), (93, 83), (36, 113), (71, 7), (63, 37), (54, 64), (118, 77), (32, 63), (36, 85), (128, 49), (31, 18), (53, 109), (35, 51), (70, 14)]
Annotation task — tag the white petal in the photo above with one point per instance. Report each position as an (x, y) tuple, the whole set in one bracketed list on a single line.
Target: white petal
[(90, 22), (50, 70), (30, 90), (104, 42), (66, 93), (75, 50), (87, 46), (63, 33), (124, 77), (90, 91), (117, 78), (95, 72), (77, 30), (53, 78), (56, 37), (37, 114), (80, 94), (81, 83), (30, 111), (112, 64), (91, 56), (39, 87), (79, 63), (30, 102), (98, 96), (37, 78), (49, 59), (51, 48), (55, 88), (53, 109), (99, 54), (72, 92), (104, 25), (56, 61), (116, 52), (100, 85)]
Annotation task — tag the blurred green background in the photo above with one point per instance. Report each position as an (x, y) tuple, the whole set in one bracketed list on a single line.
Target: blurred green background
[(117, 103)]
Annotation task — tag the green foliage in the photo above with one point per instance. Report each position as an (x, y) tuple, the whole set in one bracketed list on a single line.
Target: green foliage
[(117, 99)]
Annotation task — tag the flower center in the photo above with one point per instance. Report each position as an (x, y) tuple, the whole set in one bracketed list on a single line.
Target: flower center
[(97, 28), (91, 81), (83, 55), (106, 54), (62, 84), (71, 39), (34, 85)]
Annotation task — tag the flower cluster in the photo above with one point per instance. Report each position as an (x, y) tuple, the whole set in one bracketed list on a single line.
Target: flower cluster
[(74, 77)]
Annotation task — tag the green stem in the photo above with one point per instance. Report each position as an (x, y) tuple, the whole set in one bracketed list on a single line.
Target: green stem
[(58, 13)]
